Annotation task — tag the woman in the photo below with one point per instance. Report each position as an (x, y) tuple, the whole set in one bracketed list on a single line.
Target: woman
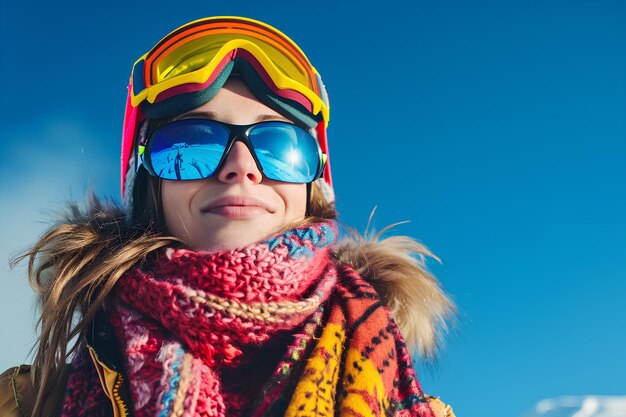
[(221, 288)]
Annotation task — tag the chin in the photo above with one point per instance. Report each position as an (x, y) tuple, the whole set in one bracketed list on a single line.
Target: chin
[(230, 238)]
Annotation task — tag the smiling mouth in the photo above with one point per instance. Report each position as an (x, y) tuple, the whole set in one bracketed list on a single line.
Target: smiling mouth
[(237, 207), (237, 212)]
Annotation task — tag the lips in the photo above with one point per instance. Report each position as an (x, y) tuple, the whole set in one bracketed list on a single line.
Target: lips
[(237, 207)]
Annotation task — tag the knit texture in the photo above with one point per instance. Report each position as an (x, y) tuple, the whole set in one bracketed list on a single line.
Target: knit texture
[(272, 329)]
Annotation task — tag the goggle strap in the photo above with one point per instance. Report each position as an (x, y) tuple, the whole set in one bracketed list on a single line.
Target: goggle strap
[(185, 102)]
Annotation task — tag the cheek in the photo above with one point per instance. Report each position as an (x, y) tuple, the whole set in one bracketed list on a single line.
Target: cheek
[(168, 202), (175, 199), (294, 196)]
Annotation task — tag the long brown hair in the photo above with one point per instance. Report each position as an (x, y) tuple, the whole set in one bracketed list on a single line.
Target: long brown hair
[(74, 266)]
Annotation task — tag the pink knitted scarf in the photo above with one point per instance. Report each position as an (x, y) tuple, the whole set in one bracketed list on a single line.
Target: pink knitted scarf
[(228, 333)]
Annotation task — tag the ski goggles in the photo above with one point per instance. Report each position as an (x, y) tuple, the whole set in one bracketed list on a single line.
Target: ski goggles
[(192, 57), (193, 149)]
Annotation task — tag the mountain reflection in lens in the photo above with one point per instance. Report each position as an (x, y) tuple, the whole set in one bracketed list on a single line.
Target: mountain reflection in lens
[(183, 151), (183, 161)]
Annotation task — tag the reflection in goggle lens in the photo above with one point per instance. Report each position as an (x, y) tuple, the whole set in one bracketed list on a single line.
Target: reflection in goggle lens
[(192, 149)]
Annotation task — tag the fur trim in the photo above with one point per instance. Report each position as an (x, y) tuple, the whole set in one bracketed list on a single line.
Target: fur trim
[(395, 266)]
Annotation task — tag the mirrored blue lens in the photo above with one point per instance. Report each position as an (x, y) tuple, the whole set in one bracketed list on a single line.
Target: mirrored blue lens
[(286, 152), (187, 150)]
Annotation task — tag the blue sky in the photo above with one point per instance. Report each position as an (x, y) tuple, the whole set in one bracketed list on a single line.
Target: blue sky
[(497, 128)]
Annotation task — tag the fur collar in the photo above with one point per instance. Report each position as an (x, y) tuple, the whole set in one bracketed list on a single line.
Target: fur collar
[(395, 266)]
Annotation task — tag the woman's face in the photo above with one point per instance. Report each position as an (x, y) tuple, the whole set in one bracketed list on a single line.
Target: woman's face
[(237, 206)]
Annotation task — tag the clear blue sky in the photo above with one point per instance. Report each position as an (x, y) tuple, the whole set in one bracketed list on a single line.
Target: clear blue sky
[(497, 128)]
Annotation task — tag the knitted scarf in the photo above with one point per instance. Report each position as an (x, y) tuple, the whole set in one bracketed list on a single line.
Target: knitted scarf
[(276, 328)]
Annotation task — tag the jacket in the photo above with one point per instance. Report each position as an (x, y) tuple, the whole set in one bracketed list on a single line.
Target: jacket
[(17, 394)]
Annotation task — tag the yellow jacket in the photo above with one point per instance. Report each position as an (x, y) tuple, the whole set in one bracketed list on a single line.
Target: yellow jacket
[(17, 394)]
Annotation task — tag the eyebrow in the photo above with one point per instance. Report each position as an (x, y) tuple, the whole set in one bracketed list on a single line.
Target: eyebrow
[(213, 116)]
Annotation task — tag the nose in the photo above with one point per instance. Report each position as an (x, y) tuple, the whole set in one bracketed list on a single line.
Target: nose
[(239, 166)]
